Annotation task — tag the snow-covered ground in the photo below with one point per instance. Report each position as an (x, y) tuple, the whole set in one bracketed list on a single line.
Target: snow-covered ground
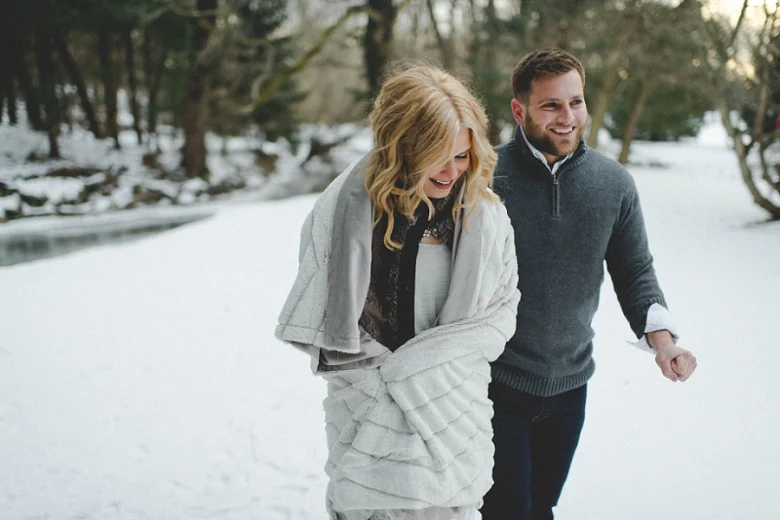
[(142, 380), (92, 178)]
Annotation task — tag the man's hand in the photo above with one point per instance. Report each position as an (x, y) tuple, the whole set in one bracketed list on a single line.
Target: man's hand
[(677, 364)]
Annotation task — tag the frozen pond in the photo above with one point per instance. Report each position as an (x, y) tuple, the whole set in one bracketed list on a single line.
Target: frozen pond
[(40, 243)]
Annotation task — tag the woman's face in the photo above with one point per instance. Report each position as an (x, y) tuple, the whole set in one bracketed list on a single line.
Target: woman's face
[(441, 179)]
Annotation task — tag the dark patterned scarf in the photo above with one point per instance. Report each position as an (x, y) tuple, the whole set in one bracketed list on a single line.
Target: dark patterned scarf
[(388, 315)]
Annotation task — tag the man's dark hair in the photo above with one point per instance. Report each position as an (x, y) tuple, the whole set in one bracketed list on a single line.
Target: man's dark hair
[(540, 63)]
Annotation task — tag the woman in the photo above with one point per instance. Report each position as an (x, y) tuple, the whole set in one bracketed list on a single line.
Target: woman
[(406, 290)]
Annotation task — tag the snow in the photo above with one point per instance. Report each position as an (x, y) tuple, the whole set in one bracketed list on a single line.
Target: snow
[(10, 201), (142, 381), (64, 189), (247, 162)]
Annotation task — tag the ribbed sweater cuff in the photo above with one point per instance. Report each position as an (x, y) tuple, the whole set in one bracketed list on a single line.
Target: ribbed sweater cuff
[(538, 385)]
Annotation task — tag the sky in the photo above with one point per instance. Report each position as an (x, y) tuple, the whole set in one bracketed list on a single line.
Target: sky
[(141, 380)]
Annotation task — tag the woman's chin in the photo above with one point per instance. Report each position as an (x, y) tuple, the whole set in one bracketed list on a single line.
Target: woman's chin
[(437, 192), (440, 194)]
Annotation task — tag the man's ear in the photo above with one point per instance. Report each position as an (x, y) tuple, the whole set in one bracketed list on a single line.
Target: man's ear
[(518, 110)]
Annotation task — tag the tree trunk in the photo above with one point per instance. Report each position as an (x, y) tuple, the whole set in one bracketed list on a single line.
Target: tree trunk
[(721, 96), (105, 50), (378, 41), (153, 72), (475, 43), (63, 105), (744, 168), (604, 94), (10, 99), (8, 52), (416, 29), (196, 110), (32, 99), (5, 72), (13, 116), (74, 71), (444, 43), (483, 53), (548, 32), (633, 119), (765, 141), (556, 22), (43, 55), (127, 36)]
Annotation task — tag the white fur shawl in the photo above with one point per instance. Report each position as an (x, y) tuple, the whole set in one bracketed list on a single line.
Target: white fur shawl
[(408, 429)]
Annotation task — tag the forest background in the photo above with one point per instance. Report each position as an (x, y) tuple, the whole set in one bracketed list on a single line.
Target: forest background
[(295, 78), (139, 379)]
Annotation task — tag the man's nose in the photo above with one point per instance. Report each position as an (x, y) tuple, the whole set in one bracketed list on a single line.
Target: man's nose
[(565, 114)]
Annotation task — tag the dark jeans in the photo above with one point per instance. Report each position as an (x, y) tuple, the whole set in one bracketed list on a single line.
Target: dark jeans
[(535, 439)]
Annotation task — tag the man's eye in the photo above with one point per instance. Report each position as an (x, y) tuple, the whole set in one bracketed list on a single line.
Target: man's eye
[(576, 102), (550, 105)]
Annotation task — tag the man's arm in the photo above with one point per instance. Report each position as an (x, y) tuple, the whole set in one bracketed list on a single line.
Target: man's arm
[(630, 264), (631, 267)]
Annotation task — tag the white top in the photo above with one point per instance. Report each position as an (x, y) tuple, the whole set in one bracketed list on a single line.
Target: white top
[(658, 318), (431, 284)]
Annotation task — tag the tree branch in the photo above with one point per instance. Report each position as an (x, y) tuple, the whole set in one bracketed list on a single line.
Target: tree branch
[(742, 12), (273, 87), (266, 94)]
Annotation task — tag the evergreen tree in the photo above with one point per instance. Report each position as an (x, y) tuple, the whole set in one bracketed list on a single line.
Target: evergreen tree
[(164, 46), (671, 111), (253, 54)]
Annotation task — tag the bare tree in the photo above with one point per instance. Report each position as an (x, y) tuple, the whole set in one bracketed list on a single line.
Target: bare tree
[(196, 110), (43, 55), (110, 87), (7, 90), (74, 71), (558, 20), (618, 45), (738, 95), (662, 56), (444, 42), (638, 106), (132, 82), (378, 41)]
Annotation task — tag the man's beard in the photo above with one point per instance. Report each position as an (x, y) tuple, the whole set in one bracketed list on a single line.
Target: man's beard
[(539, 138)]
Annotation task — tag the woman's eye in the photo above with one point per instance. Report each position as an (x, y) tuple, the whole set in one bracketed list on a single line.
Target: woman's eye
[(462, 156)]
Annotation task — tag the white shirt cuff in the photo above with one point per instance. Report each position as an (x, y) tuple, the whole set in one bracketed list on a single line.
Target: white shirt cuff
[(658, 318)]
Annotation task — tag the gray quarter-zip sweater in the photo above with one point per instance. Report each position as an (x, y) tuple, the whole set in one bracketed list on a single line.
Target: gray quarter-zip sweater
[(566, 226)]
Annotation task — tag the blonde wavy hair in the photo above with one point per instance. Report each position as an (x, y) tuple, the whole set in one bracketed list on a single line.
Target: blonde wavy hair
[(416, 118)]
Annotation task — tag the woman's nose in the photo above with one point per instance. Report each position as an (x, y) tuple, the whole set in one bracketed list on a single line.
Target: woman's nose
[(450, 170)]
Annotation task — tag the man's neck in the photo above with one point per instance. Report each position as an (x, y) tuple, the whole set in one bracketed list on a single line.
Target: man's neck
[(551, 159), (546, 158)]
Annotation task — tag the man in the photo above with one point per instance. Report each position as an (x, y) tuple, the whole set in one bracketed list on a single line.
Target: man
[(571, 209)]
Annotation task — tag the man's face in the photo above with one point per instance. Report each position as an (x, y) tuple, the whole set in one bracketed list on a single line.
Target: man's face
[(555, 114)]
